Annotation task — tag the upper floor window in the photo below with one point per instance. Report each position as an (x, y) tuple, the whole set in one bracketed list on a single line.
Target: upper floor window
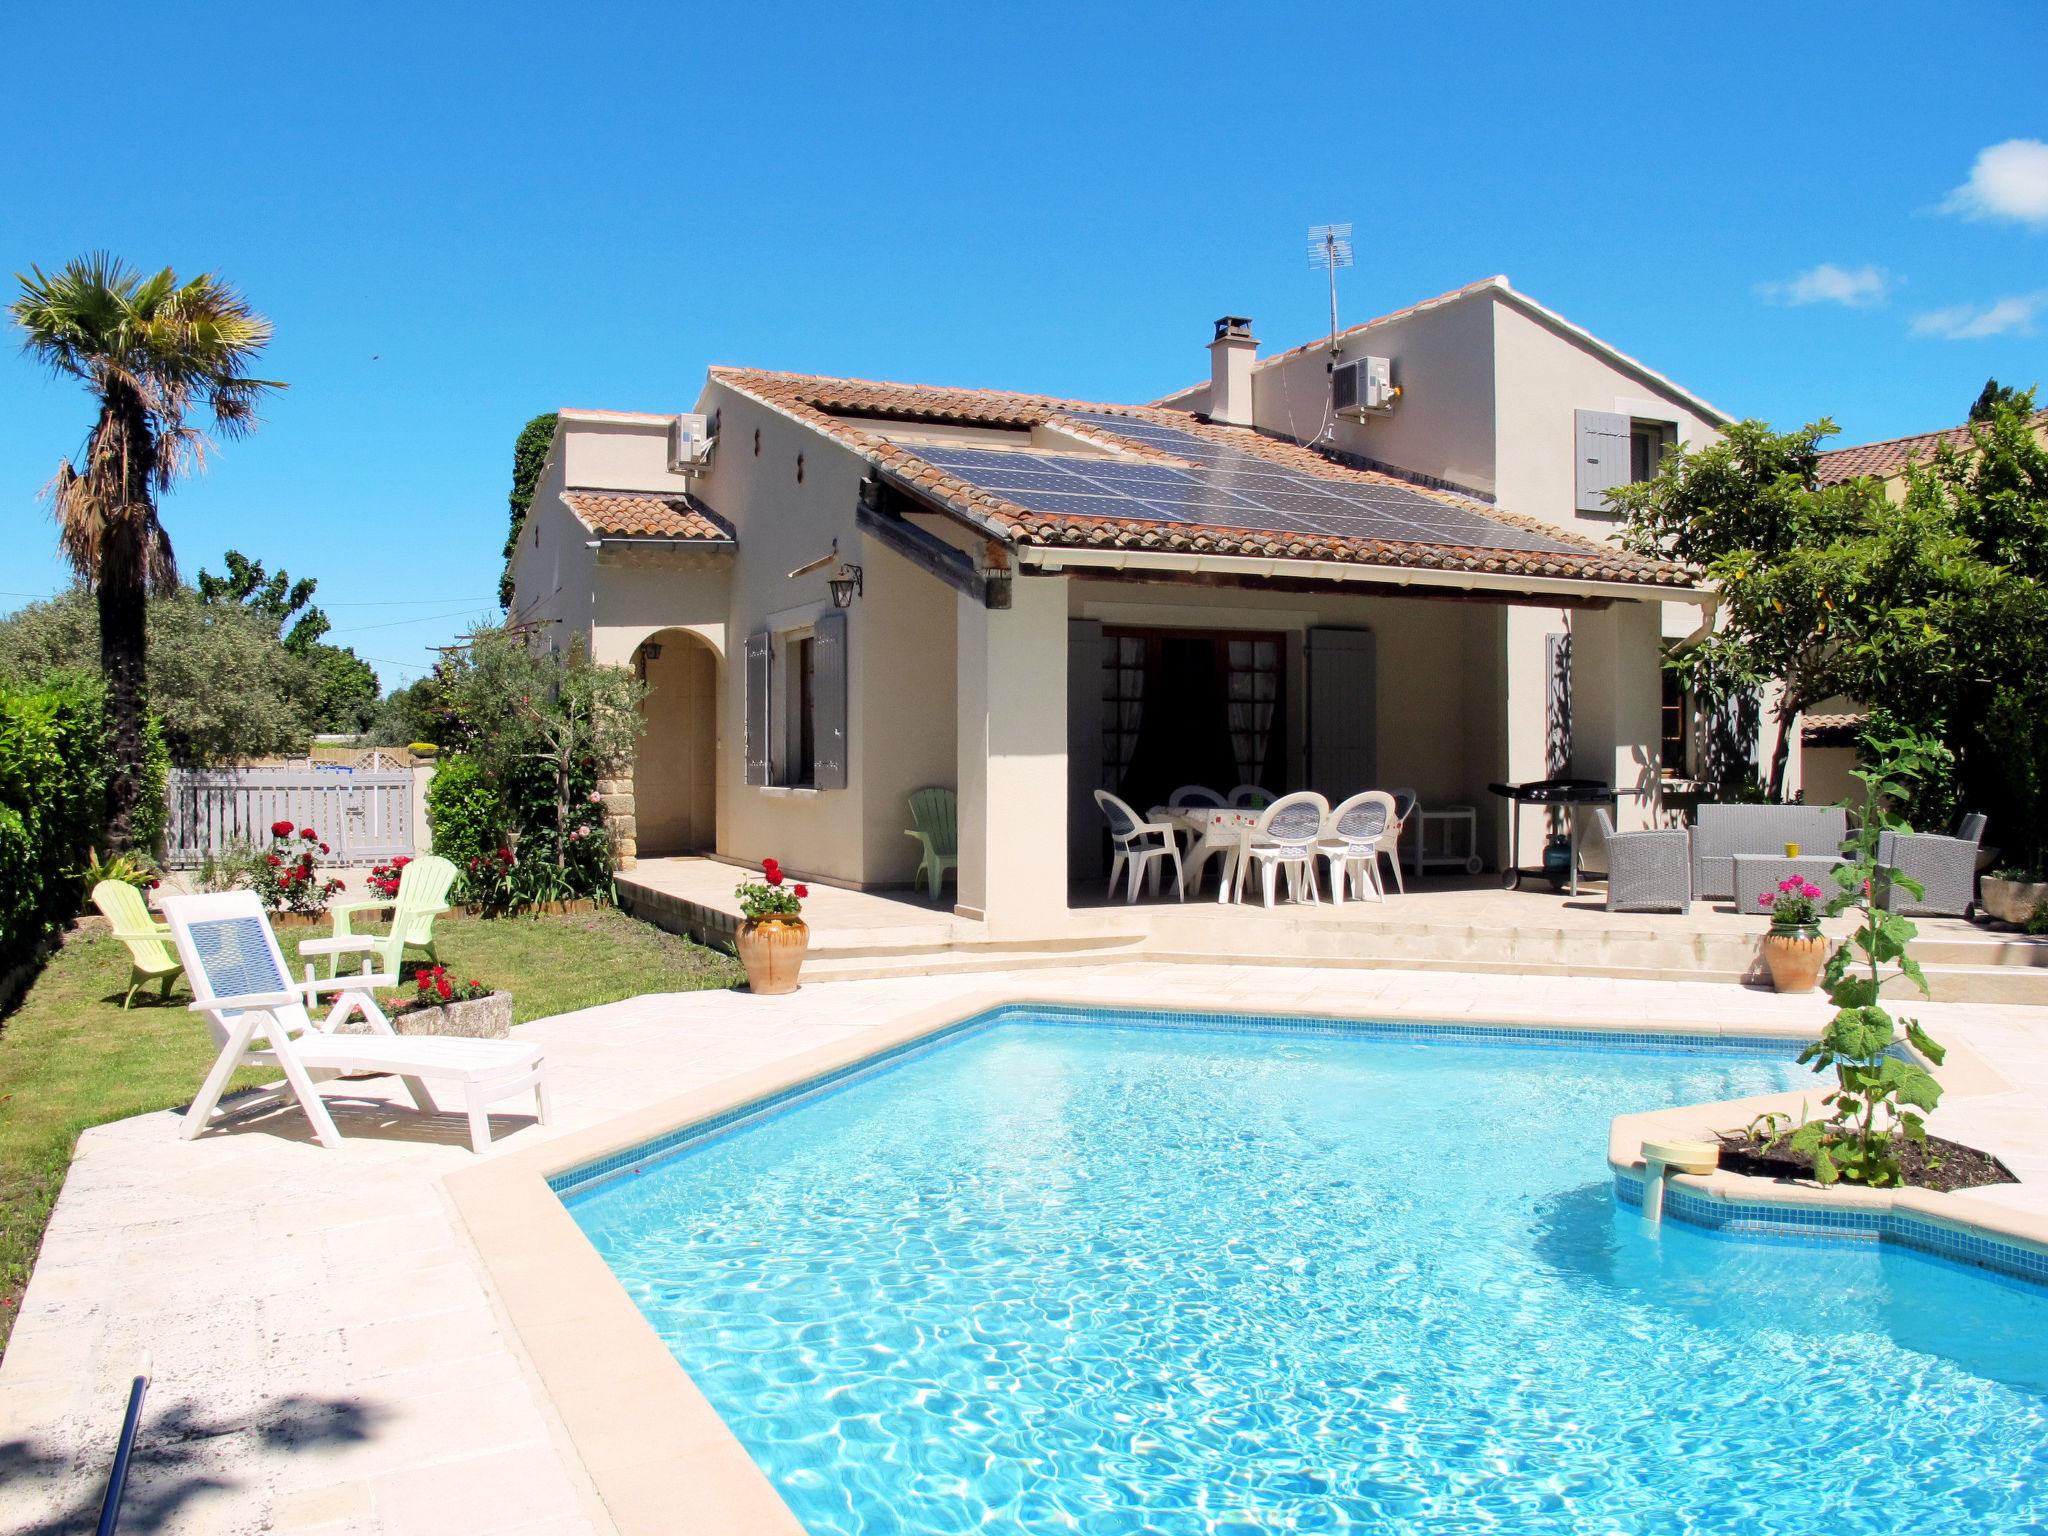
[(1648, 442)]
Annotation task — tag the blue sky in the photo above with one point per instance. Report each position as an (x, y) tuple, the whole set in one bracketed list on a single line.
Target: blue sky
[(461, 216)]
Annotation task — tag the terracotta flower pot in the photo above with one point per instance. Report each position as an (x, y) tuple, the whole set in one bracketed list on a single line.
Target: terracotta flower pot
[(772, 949), (1795, 956)]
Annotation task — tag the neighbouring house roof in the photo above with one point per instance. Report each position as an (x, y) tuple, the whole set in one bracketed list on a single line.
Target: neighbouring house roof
[(660, 515), (1832, 730), (1313, 507), (1499, 287), (1891, 456)]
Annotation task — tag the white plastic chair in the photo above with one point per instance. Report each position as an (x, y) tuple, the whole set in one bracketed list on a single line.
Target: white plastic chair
[(1350, 844), (1197, 795), (1286, 838), (240, 983), (1139, 845), (1405, 802), (1253, 797)]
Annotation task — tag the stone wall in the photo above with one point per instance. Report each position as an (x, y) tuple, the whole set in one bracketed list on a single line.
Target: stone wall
[(617, 797)]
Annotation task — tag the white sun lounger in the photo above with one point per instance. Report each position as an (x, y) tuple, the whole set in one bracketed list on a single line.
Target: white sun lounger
[(240, 983)]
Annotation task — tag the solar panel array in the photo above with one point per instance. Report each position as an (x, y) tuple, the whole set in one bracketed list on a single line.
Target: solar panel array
[(1224, 487)]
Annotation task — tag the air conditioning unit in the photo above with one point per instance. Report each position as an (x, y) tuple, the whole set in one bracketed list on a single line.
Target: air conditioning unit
[(1363, 386), (690, 437)]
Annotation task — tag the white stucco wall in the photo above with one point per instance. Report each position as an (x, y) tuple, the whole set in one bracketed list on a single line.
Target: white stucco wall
[(1443, 360)]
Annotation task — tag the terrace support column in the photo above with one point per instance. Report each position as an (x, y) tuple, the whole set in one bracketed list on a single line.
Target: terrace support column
[(1012, 744), (1617, 703)]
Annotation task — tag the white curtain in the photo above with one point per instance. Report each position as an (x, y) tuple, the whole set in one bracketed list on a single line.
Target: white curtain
[(1254, 695)]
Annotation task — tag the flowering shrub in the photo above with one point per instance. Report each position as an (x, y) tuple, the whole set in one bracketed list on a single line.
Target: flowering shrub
[(432, 988), (1794, 904), (384, 878), (770, 896), (285, 878)]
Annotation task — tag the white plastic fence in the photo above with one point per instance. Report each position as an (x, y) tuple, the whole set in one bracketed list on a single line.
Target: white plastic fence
[(362, 816)]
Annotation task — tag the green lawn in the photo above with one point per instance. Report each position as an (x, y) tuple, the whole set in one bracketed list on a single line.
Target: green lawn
[(71, 1059)]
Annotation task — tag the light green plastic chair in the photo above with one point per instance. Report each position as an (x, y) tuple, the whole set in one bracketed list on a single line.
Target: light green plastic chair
[(423, 887), (937, 814), (149, 957)]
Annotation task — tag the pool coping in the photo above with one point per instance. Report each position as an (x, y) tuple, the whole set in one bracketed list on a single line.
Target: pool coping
[(659, 1457)]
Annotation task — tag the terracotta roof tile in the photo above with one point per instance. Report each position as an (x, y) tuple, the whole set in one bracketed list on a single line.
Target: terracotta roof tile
[(1890, 457), (647, 515), (825, 404), (1832, 730)]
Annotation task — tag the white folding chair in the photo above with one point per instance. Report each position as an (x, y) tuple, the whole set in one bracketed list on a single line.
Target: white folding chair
[(1253, 797), (1285, 838), (1350, 844), (1139, 845), (240, 983), (1197, 795)]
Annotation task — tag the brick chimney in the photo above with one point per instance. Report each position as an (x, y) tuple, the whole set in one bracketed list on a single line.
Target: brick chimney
[(1231, 356)]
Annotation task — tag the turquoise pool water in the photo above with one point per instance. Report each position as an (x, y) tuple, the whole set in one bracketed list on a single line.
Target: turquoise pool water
[(1102, 1277)]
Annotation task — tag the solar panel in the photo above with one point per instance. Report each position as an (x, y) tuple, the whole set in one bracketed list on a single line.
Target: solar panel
[(1224, 487)]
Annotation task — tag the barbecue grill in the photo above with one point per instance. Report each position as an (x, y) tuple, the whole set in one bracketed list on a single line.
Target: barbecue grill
[(1569, 793)]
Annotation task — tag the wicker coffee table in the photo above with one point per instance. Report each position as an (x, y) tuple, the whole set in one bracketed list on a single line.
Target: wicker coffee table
[(1757, 874)]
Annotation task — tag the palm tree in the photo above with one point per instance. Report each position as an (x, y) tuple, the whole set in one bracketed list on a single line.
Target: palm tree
[(153, 351)]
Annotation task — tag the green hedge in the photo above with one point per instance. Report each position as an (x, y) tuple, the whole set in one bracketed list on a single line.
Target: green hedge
[(53, 801), (465, 813)]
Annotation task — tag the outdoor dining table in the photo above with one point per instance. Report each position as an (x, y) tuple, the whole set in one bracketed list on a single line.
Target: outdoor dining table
[(1199, 821)]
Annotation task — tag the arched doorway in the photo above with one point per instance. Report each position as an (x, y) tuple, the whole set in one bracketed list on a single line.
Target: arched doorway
[(675, 787)]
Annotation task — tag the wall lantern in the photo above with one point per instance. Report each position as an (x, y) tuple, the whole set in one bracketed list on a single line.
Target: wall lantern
[(845, 586), (651, 649)]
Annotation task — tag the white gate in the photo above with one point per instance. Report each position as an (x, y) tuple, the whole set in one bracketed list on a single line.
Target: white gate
[(364, 817)]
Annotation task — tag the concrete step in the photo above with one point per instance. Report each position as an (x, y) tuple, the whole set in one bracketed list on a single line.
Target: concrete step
[(1948, 984)]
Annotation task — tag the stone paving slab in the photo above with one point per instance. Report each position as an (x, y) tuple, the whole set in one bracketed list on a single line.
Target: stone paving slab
[(329, 1358)]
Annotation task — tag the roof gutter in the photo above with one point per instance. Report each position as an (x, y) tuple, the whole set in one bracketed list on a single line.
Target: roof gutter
[(653, 541), (1041, 559)]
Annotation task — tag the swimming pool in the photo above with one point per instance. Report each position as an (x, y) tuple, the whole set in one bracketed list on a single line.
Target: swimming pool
[(1100, 1275)]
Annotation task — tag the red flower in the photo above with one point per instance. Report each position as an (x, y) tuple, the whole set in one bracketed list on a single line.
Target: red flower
[(273, 860), (401, 861), (769, 866), (803, 893), (309, 835), (447, 992), (772, 876), (154, 884), (505, 854), (325, 849), (280, 829)]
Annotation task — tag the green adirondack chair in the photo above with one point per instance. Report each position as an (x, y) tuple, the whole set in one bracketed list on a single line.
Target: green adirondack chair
[(422, 896), (937, 814), (149, 957)]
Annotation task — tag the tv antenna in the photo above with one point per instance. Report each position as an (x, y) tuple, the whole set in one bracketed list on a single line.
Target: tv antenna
[(1329, 248)]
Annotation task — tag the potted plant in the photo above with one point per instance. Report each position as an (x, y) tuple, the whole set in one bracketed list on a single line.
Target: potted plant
[(773, 936), (2012, 894), (1794, 949), (439, 1006)]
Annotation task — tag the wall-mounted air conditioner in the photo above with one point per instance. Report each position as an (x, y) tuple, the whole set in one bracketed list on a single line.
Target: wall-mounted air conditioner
[(1363, 386), (690, 437)]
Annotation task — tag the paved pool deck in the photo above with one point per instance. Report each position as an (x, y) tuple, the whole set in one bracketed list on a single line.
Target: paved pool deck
[(329, 1354)]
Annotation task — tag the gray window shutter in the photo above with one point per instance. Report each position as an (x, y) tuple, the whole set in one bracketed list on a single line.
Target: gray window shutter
[(1602, 444), (756, 682), (1343, 712), (828, 700)]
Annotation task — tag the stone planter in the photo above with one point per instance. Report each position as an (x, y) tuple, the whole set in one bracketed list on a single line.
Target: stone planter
[(772, 949), (1795, 957), (2011, 901), (483, 1018)]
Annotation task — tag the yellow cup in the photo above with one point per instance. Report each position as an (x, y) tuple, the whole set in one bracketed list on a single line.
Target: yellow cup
[(1791, 850)]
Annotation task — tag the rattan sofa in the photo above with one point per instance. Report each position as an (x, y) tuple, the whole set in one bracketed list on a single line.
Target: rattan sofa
[(1722, 831)]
